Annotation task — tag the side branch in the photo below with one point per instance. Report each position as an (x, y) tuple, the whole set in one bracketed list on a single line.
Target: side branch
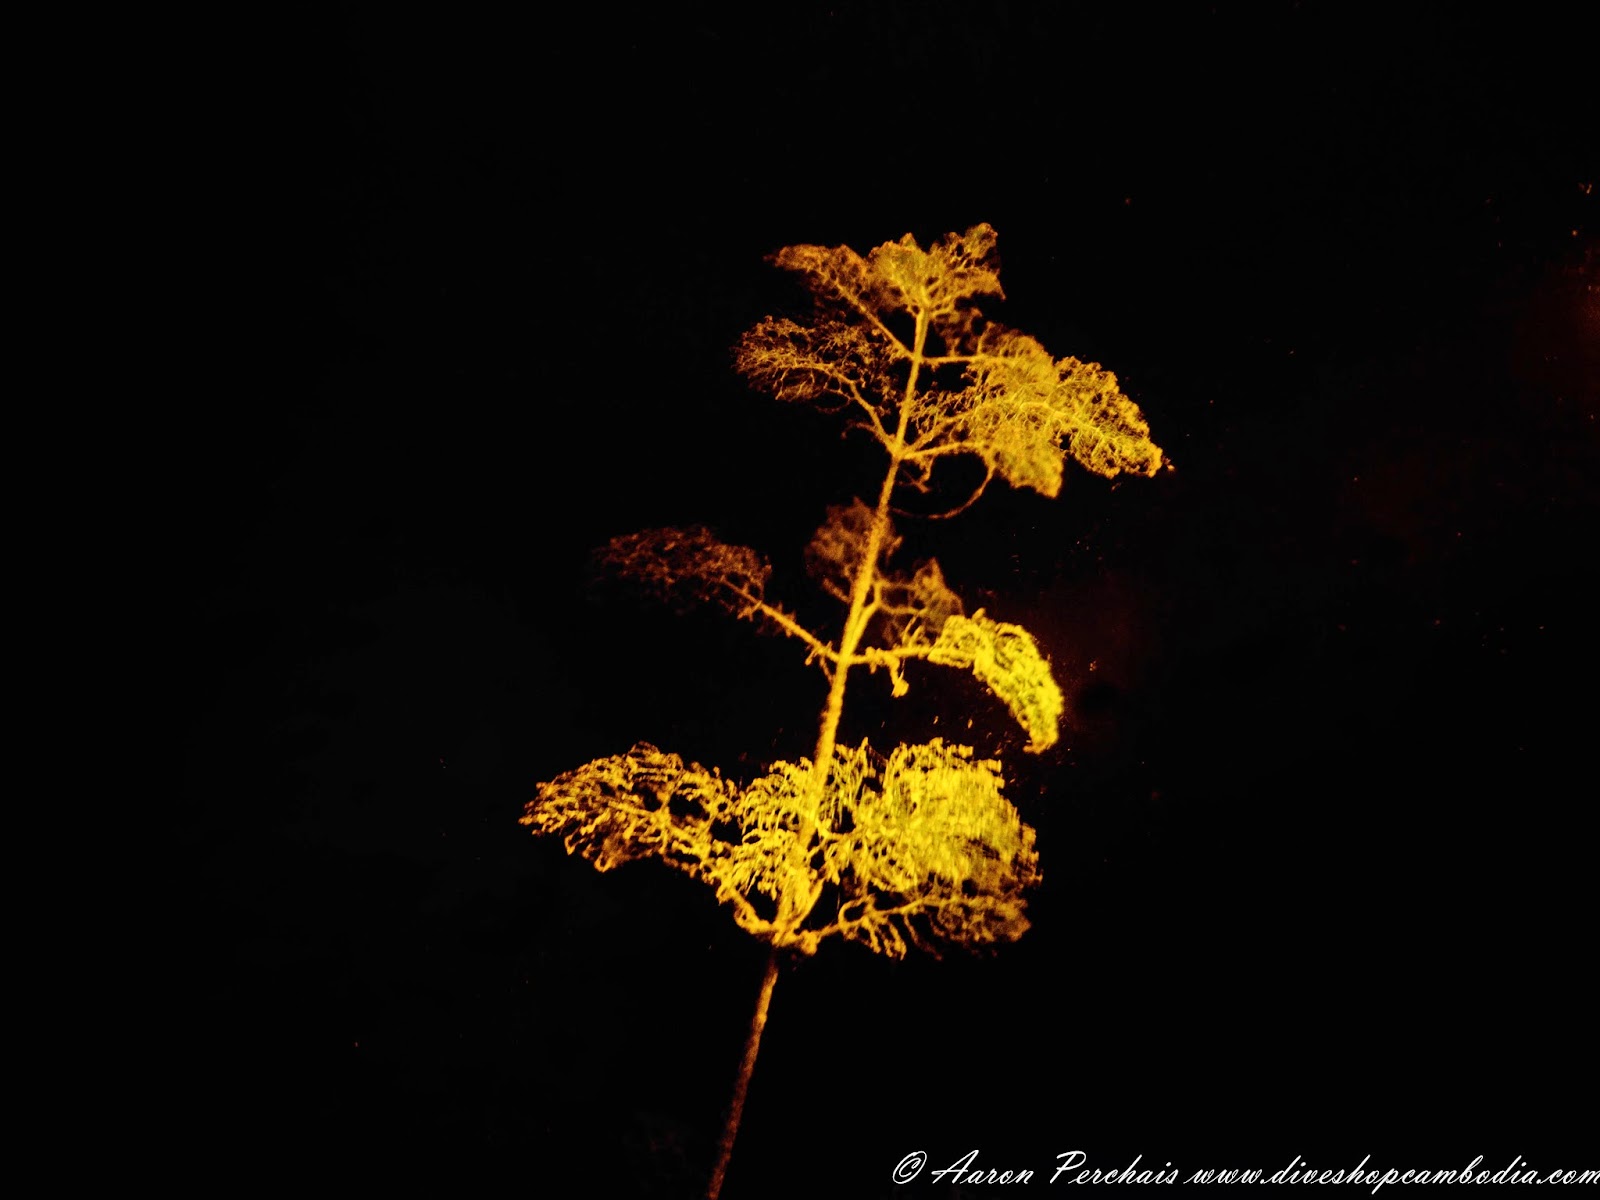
[(852, 392), (968, 502), (848, 390), (867, 311), (889, 656), (869, 911), (754, 605)]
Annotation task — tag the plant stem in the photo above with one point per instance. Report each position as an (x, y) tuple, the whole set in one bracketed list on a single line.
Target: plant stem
[(741, 1087), (855, 621), (855, 627)]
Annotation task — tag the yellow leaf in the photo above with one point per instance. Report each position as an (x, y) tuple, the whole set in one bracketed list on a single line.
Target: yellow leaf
[(1007, 659)]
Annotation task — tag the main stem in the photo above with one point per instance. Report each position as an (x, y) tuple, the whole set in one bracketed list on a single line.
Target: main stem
[(741, 1086), (855, 622), (795, 911)]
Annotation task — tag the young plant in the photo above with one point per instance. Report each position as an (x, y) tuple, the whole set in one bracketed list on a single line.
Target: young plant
[(915, 845)]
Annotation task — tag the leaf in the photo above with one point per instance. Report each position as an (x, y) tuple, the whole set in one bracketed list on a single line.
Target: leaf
[(1024, 413), (1007, 660), (644, 803), (918, 605), (773, 858), (941, 280), (849, 362), (902, 277), (840, 280), (933, 853), (651, 804), (921, 848), (835, 552), (910, 605), (687, 565)]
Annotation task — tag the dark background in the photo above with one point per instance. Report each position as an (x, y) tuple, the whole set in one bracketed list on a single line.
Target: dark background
[(1318, 838)]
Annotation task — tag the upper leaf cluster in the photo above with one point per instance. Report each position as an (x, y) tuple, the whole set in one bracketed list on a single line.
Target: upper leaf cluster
[(988, 391)]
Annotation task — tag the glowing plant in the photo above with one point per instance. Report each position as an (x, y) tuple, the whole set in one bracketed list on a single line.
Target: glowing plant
[(916, 846)]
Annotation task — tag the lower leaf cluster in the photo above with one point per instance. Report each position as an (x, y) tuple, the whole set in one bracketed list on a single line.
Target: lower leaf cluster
[(919, 848)]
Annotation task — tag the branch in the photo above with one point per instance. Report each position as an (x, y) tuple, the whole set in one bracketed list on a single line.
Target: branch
[(687, 565), (922, 453), (806, 362), (870, 914), (960, 508), (930, 432), (852, 394), (823, 264), (899, 348), (791, 627)]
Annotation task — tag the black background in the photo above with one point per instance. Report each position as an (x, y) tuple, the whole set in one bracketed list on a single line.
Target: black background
[(1318, 838)]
